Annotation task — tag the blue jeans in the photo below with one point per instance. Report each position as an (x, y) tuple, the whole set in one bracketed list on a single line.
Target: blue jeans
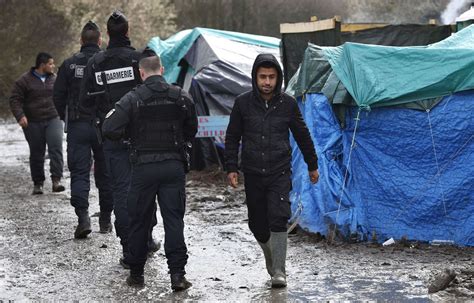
[(38, 135), (83, 148)]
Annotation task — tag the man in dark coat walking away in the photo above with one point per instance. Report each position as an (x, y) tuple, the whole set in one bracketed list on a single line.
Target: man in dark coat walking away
[(31, 102), (108, 76), (159, 119), (262, 118), (82, 142)]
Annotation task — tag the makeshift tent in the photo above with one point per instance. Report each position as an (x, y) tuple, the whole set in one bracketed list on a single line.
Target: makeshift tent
[(215, 67), (466, 18), (332, 32), (398, 161)]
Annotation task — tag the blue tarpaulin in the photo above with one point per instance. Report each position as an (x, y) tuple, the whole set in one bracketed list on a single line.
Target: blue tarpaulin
[(404, 178)]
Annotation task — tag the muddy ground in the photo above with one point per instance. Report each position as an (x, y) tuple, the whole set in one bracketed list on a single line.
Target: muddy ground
[(40, 259)]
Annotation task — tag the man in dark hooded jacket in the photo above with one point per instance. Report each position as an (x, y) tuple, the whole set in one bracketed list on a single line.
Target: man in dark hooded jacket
[(108, 76), (262, 118)]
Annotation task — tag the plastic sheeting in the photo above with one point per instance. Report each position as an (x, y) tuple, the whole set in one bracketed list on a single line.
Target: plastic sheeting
[(173, 49), (316, 76), (399, 35), (397, 184), (386, 75), (294, 44)]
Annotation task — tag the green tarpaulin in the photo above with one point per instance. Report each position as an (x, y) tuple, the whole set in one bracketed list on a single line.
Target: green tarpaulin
[(383, 75)]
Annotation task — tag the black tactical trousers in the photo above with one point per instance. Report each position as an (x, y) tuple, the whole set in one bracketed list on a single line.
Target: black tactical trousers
[(165, 180), (119, 167), (268, 203), (82, 147)]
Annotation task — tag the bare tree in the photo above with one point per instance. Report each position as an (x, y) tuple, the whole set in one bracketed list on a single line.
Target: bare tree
[(147, 18), (264, 17), (28, 27)]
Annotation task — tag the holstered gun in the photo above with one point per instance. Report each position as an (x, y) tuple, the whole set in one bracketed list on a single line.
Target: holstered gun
[(101, 107), (98, 131)]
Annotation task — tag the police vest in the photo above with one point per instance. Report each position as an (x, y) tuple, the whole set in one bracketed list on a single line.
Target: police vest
[(116, 71), (77, 66), (158, 126)]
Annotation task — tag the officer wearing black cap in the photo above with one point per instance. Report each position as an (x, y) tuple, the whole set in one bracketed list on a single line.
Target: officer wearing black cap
[(108, 76), (82, 143), (159, 119)]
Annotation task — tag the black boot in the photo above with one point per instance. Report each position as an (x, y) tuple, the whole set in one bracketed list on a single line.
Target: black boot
[(123, 260), (105, 225), (37, 188), (179, 282), (57, 186), (136, 278), (84, 226), (153, 245)]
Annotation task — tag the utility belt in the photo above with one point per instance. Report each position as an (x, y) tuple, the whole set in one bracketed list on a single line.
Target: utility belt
[(146, 156)]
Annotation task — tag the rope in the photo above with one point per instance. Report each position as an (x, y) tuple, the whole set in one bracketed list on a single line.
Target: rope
[(297, 215), (357, 119), (428, 182), (436, 158)]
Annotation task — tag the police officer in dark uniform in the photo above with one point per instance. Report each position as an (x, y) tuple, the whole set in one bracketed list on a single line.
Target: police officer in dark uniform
[(108, 76), (159, 119), (81, 137)]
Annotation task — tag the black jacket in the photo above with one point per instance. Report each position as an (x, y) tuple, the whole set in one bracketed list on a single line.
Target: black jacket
[(265, 132), (68, 83), (124, 117), (120, 62)]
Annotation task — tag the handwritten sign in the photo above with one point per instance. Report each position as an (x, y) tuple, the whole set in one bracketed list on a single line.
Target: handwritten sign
[(212, 126)]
